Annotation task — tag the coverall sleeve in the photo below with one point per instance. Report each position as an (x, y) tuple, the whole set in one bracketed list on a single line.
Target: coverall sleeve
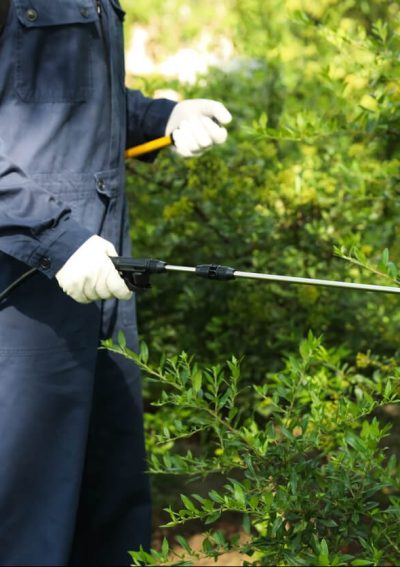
[(35, 227), (146, 119)]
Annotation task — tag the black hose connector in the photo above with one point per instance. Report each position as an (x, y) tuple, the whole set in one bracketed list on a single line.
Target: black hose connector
[(215, 272)]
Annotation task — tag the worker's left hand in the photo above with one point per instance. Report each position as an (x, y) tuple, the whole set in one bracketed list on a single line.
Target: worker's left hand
[(195, 125)]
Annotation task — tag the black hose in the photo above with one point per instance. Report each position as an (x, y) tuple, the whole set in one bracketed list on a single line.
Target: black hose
[(17, 283)]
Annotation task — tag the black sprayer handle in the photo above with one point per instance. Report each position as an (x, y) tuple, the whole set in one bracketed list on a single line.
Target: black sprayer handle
[(136, 272)]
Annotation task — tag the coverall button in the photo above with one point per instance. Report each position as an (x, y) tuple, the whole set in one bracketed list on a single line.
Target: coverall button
[(31, 14), (101, 184), (45, 263), (84, 12)]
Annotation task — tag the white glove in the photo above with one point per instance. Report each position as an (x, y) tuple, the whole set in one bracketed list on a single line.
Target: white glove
[(193, 128), (89, 274)]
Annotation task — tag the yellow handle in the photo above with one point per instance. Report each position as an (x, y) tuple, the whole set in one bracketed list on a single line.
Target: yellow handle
[(157, 144)]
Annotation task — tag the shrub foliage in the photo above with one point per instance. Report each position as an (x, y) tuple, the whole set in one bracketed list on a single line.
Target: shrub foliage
[(307, 185), (302, 457)]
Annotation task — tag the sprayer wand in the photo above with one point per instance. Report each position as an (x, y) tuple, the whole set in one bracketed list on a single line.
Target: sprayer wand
[(136, 274)]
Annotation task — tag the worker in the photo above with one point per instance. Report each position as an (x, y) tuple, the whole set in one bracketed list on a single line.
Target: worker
[(73, 486)]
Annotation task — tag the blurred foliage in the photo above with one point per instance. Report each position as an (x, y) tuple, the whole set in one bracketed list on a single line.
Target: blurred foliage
[(312, 162), (174, 24)]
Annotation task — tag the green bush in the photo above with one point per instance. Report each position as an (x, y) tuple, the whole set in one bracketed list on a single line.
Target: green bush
[(304, 463)]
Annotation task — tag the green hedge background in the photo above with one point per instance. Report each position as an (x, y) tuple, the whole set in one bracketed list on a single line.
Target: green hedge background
[(311, 163), (307, 185)]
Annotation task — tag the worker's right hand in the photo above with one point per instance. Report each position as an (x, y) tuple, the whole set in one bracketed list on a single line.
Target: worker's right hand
[(89, 274)]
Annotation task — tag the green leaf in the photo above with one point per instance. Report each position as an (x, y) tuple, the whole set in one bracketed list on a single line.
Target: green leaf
[(239, 495), (188, 504), (197, 380), (388, 389), (212, 518), (213, 494), (323, 556), (355, 442), (276, 525), (165, 547), (184, 543), (392, 270), (141, 557), (144, 353), (220, 539), (232, 413), (329, 523), (207, 547), (246, 524), (121, 339), (305, 350)]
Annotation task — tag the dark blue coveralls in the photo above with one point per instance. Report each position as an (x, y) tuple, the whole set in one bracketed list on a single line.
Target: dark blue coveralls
[(72, 483)]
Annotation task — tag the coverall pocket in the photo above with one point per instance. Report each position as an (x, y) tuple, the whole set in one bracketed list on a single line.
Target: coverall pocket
[(54, 44)]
